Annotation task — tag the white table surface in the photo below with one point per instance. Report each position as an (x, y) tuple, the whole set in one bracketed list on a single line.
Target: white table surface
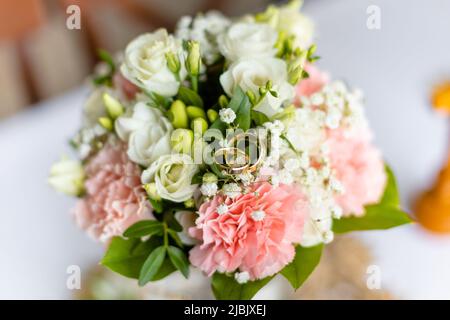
[(395, 66)]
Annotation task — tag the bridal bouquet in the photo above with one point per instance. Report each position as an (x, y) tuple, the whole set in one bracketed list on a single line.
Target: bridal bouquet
[(222, 147)]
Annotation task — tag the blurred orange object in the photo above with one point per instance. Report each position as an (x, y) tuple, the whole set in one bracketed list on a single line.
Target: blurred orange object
[(433, 207), (17, 18), (441, 97)]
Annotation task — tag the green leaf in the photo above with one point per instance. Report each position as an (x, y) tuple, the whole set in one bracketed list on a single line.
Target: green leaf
[(197, 178), (126, 256), (144, 228), (259, 118), (390, 196), (152, 265), (377, 217), (240, 104), (156, 205), (179, 260), (225, 287), (174, 235), (190, 97), (304, 263), (384, 215)]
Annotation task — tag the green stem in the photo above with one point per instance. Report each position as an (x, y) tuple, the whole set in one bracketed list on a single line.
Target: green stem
[(166, 236), (194, 82)]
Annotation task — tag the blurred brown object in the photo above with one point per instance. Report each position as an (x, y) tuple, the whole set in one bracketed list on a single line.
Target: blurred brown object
[(433, 207), (341, 274), (18, 18)]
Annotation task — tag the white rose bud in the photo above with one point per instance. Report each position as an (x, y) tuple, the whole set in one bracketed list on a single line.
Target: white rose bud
[(67, 176)]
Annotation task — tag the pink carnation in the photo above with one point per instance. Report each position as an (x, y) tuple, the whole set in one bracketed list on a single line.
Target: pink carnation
[(114, 197), (358, 165), (316, 81), (256, 235)]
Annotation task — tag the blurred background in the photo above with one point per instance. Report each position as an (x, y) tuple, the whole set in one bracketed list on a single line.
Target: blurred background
[(41, 58), (403, 66)]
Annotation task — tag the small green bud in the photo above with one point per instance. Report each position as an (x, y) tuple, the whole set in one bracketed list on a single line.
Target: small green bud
[(181, 140), (150, 188), (195, 112), (209, 178), (113, 107), (251, 96), (193, 59), (189, 203), (212, 115), (199, 125), (173, 62), (178, 115), (106, 123), (223, 101)]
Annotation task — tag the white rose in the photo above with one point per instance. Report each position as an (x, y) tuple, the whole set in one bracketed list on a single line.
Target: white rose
[(187, 220), (251, 74), (67, 176), (204, 28), (172, 175), (145, 62), (248, 40), (147, 132), (292, 22)]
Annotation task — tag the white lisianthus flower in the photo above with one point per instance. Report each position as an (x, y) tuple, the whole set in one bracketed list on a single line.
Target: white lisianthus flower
[(204, 28), (248, 40), (67, 176), (187, 220), (251, 74), (147, 132), (145, 62), (172, 175)]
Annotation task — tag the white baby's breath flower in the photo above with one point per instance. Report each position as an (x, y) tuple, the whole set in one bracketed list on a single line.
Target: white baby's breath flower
[(222, 208), (204, 28), (172, 175), (227, 115), (258, 215), (232, 190), (336, 211), (248, 40), (242, 277), (147, 132), (285, 177), (336, 186), (252, 74), (67, 176), (146, 66), (328, 236), (209, 189), (317, 99), (246, 178), (307, 132), (292, 164)]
